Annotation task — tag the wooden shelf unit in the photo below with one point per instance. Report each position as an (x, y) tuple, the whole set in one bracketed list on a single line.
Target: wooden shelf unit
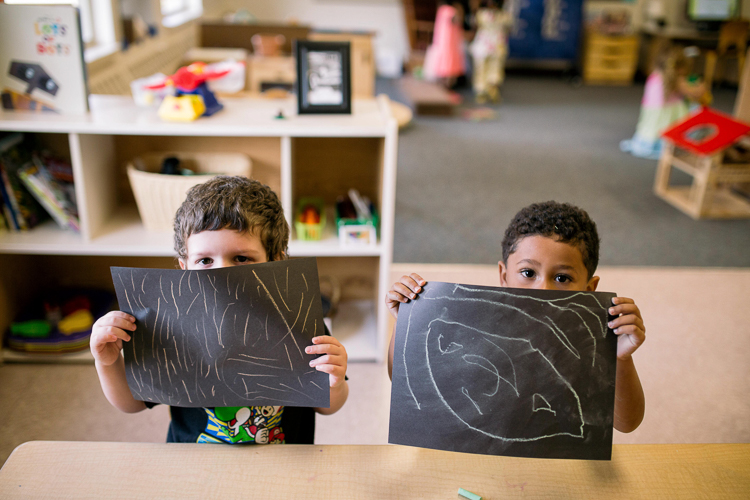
[(609, 59), (322, 155)]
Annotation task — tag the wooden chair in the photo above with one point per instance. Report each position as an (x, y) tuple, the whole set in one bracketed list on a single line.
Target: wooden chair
[(732, 43), (697, 146)]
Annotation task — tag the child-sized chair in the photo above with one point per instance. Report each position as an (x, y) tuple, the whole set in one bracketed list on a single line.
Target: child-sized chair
[(732, 43), (696, 146)]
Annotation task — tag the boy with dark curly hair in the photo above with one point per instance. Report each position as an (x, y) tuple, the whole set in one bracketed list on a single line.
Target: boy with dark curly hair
[(555, 246), (227, 221)]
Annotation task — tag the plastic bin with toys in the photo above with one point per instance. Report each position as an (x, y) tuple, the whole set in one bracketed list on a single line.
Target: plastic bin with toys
[(310, 219), (356, 220)]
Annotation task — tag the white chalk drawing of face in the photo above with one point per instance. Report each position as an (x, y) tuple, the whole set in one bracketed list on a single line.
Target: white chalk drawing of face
[(498, 368), (497, 375)]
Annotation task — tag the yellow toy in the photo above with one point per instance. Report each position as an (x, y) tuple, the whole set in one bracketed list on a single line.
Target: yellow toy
[(76, 322), (193, 97), (184, 108)]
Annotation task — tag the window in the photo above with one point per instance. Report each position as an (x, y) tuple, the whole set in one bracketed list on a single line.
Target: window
[(176, 12), (173, 6)]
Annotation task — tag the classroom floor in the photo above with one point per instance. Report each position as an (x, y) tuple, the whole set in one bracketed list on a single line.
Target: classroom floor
[(460, 182), (693, 367)]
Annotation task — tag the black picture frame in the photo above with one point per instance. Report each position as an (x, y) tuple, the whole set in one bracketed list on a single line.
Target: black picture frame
[(327, 93)]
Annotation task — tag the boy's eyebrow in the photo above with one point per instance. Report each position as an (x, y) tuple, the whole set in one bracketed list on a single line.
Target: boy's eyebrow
[(530, 261), (565, 266), (537, 263)]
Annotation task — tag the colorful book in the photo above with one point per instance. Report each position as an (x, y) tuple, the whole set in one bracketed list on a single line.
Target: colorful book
[(10, 198), (6, 143), (42, 69), (50, 194), (5, 197), (26, 210)]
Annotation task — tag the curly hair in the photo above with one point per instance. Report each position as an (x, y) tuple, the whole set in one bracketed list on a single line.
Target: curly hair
[(570, 224), (237, 203)]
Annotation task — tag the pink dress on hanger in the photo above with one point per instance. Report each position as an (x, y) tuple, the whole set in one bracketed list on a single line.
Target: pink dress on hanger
[(445, 57)]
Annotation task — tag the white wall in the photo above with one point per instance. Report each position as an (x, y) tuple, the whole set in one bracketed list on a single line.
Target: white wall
[(385, 17)]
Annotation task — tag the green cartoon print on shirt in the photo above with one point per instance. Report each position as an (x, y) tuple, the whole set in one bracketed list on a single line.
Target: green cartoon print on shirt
[(242, 424)]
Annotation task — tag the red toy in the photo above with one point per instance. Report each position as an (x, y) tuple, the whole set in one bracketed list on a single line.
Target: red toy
[(192, 80), (189, 78)]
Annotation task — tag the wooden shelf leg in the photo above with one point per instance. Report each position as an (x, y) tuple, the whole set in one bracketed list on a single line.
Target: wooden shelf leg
[(704, 185), (663, 169)]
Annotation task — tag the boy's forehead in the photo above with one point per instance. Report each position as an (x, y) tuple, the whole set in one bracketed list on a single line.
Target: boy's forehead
[(220, 238), (548, 250)]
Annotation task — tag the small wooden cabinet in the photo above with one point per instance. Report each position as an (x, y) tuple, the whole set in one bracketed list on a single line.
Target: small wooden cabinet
[(609, 59), (263, 71), (297, 156)]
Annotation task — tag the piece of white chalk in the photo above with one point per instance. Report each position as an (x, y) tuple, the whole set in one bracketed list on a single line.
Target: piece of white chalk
[(468, 494)]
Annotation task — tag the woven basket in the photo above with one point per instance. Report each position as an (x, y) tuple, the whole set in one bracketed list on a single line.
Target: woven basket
[(158, 196)]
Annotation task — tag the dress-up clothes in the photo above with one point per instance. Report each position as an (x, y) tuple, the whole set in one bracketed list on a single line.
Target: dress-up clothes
[(490, 48), (445, 57)]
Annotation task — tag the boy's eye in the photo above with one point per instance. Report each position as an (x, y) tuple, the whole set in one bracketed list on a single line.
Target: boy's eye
[(562, 278), (527, 273), (205, 261), (242, 258)]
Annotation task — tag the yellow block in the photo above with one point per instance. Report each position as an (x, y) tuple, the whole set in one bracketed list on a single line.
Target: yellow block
[(184, 108)]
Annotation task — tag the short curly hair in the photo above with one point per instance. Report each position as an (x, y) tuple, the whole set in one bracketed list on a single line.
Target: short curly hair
[(570, 224), (237, 203)]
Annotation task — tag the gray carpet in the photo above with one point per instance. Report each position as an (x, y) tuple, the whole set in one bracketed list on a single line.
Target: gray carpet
[(460, 182)]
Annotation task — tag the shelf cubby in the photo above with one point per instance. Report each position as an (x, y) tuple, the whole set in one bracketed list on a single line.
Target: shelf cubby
[(322, 155)]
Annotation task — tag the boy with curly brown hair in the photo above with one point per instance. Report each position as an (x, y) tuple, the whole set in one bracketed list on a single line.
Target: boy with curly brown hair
[(227, 221)]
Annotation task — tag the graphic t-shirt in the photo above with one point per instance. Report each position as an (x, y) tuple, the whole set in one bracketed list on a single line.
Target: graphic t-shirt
[(242, 424), (239, 425)]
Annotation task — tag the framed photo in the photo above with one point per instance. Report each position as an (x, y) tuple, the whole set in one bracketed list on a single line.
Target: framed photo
[(323, 77)]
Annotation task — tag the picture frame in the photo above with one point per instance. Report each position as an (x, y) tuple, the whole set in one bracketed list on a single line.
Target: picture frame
[(323, 77)]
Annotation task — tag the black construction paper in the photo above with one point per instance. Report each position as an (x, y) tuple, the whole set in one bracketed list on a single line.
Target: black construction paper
[(234, 336), (505, 371)]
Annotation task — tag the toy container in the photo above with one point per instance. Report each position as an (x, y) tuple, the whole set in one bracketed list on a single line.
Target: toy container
[(158, 196), (357, 231), (310, 231), (143, 96)]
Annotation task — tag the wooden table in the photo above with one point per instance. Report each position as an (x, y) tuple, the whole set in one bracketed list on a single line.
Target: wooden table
[(47, 469)]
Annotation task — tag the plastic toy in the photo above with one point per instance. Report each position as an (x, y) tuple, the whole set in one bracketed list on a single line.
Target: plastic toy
[(184, 108), (79, 321), (31, 328), (310, 219), (310, 215), (192, 96), (58, 321)]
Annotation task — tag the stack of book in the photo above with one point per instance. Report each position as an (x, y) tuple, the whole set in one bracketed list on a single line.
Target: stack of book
[(33, 186)]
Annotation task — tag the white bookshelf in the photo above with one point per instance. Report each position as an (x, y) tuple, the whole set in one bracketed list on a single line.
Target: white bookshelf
[(297, 156)]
